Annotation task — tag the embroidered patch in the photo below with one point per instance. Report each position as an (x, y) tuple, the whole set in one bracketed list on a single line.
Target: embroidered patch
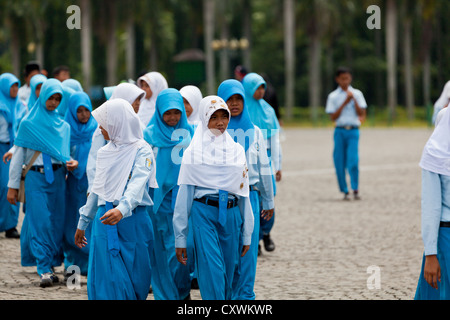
[(148, 163), (242, 185)]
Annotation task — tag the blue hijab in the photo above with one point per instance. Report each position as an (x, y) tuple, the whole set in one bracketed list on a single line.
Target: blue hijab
[(73, 84), (11, 108), (34, 82), (44, 130), (64, 105), (80, 133), (261, 113), (159, 134), (242, 121)]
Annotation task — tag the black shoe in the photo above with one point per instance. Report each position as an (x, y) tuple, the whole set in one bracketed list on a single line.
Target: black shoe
[(346, 197), (12, 233), (259, 250), (48, 279), (188, 297), (194, 284), (268, 243), (356, 195)]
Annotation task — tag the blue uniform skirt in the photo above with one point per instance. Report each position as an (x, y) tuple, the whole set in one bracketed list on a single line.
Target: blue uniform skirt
[(244, 281), (217, 250), (266, 226), (43, 225), (171, 280), (76, 196), (424, 291), (127, 275), (9, 214)]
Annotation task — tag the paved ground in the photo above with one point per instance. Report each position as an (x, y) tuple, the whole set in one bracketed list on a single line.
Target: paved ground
[(325, 247)]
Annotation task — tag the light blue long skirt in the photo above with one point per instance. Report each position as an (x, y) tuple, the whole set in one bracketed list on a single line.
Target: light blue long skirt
[(216, 249), (127, 275), (43, 225), (9, 214)]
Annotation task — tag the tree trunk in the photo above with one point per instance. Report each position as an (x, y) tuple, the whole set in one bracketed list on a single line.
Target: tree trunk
[(391, 53), (111, 45), (208, 16), (224, 35), (86, 44), (247, 32), (315, 49), (289, 52), (409, 81), (131, 45)]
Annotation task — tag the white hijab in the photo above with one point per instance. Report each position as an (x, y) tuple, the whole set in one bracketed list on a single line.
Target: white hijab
[(214, 162), (436, 153), (128, 91), (115, 160), (193, 95), (444, 98), (157, 83)]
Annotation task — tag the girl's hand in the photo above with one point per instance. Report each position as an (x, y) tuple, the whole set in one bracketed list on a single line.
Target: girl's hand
[(7, 156), (181, 255), (278, 176), (11, 196), (80, 239), (72, 165), (267, 214), (244, 250), (112, 217), (432, 271)]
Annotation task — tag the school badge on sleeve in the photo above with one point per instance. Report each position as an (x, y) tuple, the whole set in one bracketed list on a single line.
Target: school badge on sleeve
[(148, 163)]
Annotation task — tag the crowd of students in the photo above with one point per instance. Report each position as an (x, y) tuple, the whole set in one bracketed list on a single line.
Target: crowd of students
[(156, 189)]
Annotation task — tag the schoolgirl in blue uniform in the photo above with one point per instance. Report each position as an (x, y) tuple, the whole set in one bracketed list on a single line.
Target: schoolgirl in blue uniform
[(264, 117), (12, 111), (42, 130), (82, 126), (213, 202), (434, 281), (122, 237), (169, 133), (250, 137)]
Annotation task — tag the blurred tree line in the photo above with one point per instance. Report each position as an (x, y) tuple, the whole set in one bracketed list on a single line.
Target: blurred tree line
[(298, 44)]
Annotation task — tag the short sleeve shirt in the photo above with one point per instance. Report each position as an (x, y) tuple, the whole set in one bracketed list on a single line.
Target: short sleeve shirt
[(348, 116)]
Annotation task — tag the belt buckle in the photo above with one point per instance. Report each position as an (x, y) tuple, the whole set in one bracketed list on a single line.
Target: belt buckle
[(347, 127), (41, 170)]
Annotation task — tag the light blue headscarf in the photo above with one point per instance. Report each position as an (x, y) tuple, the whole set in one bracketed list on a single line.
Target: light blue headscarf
[(73, 84), (159, 134), (261, 113), (242, 121), (34, 82), (44, 130), (80, 133), (64, 105), (11, 108)]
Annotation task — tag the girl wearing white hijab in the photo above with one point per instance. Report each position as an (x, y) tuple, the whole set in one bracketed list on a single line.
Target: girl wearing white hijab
[(218, 218), (152, 83), (442, 102), (435, 163), (192, 97), (122, 233), (133, 95)]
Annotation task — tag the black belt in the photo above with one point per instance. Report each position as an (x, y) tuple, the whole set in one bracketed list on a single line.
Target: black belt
[(445, 224), (348, 127), (215, 203), (41, 168), (4, 142)]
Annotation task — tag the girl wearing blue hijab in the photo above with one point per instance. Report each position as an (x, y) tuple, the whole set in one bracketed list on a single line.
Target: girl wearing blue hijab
[(82, 127), (42, 130), (250, 137), (35, 85), (263, 116), (11, 112), (169, 133)]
